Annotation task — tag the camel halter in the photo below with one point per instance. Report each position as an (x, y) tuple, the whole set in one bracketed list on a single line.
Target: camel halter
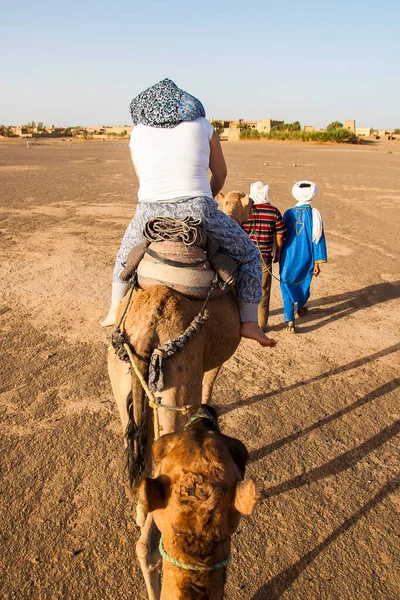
[(177, 563), (203, 416)]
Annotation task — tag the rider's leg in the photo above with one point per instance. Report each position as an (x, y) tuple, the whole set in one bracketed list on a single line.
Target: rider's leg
[(132, 237), (235, 242)]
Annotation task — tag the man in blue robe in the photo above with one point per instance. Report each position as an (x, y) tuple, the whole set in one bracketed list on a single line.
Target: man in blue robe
[(304, 249)]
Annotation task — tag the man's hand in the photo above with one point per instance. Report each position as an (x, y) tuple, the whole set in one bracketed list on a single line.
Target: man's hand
[(317, 270), (277, 256)]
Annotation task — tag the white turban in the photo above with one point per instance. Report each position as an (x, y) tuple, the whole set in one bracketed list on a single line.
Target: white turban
[(259, 193), (304, 192)]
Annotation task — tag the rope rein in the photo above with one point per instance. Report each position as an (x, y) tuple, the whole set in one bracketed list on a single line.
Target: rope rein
[(151, 398), (177, 563)]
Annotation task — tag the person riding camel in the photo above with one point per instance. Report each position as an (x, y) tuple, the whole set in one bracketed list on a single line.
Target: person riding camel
[(172, 147)]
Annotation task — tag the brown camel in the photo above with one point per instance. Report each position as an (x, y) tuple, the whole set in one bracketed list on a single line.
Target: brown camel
[(196, 498), (154, 317), (236, 205)]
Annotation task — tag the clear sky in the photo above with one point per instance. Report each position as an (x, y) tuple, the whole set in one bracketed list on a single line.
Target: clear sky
[(81, 62)]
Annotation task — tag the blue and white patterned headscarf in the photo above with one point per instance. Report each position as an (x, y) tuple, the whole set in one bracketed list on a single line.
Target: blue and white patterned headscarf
[(165, 105)]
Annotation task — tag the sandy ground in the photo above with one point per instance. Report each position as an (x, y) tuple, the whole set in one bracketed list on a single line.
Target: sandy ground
[(319, 414)]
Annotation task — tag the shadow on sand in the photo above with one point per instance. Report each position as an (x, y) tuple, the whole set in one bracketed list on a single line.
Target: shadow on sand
[(336, 371), (344, 305), (380, 391), (276, 587), (336, 465)]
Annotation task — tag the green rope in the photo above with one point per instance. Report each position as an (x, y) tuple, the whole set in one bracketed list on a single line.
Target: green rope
[(209, 417), (177, 563)]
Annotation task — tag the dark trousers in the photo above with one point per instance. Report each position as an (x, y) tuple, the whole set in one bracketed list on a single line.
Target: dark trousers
[(263, 307)]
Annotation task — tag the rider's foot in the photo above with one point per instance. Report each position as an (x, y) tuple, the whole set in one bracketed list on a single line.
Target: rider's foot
[(252, 331), (111, 318)]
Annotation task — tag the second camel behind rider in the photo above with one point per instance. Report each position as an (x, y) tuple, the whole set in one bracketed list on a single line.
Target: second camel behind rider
[(266, 228), (172, 147)]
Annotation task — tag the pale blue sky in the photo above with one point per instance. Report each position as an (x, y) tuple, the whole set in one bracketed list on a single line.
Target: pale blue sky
[(82, 62)]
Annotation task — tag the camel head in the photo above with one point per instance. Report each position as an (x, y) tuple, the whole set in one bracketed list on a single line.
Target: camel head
[(236, 205), (196, 500)]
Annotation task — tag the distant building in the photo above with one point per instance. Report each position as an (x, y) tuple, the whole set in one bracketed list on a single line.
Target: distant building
[(102, 130), (21, 130), (364, 131), (231, 131), (350, 125), (265, 125), (387, 134), (308, 128)]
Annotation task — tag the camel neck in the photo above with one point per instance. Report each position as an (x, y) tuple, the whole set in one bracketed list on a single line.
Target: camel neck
[(191, 585)]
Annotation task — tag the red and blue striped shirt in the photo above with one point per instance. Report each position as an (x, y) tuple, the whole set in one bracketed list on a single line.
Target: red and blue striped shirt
[(264, 222)]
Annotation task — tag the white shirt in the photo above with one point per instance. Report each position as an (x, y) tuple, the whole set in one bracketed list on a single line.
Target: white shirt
[(172, 163)]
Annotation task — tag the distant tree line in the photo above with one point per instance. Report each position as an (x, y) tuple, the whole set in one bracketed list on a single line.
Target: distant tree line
[(39, 130), (292, 131), (6, 131)]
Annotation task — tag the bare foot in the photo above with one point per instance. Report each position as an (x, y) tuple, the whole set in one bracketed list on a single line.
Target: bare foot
[(252, 331), (108, 321), (111, 318)]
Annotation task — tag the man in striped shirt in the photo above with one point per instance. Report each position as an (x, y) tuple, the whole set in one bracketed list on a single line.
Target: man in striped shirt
[(266, 228)]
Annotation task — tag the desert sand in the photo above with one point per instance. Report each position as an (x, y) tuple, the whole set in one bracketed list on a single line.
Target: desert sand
[(319, 414)]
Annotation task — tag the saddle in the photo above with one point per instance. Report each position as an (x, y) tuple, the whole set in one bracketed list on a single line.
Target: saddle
[(180, 254)]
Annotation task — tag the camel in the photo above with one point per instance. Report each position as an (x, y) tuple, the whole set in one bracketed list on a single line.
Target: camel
[(154, 317), (197, 497), (236, 205)]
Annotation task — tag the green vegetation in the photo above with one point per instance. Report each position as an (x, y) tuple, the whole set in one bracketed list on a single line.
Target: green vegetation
[(288, 127), (334, 125), (339, 135), (396, 131), (7, 131), (246, 133), (114, 135), (218, 126)]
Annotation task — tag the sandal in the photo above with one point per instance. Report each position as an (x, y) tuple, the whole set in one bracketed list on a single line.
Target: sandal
[(290, 327), (302, 312)]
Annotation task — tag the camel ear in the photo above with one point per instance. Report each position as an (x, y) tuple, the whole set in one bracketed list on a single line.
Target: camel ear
[(244, 199), (246, 497), (239, 453), (153, 494)]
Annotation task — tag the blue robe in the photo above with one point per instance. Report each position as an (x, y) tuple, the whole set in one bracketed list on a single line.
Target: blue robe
[(299, 253)]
